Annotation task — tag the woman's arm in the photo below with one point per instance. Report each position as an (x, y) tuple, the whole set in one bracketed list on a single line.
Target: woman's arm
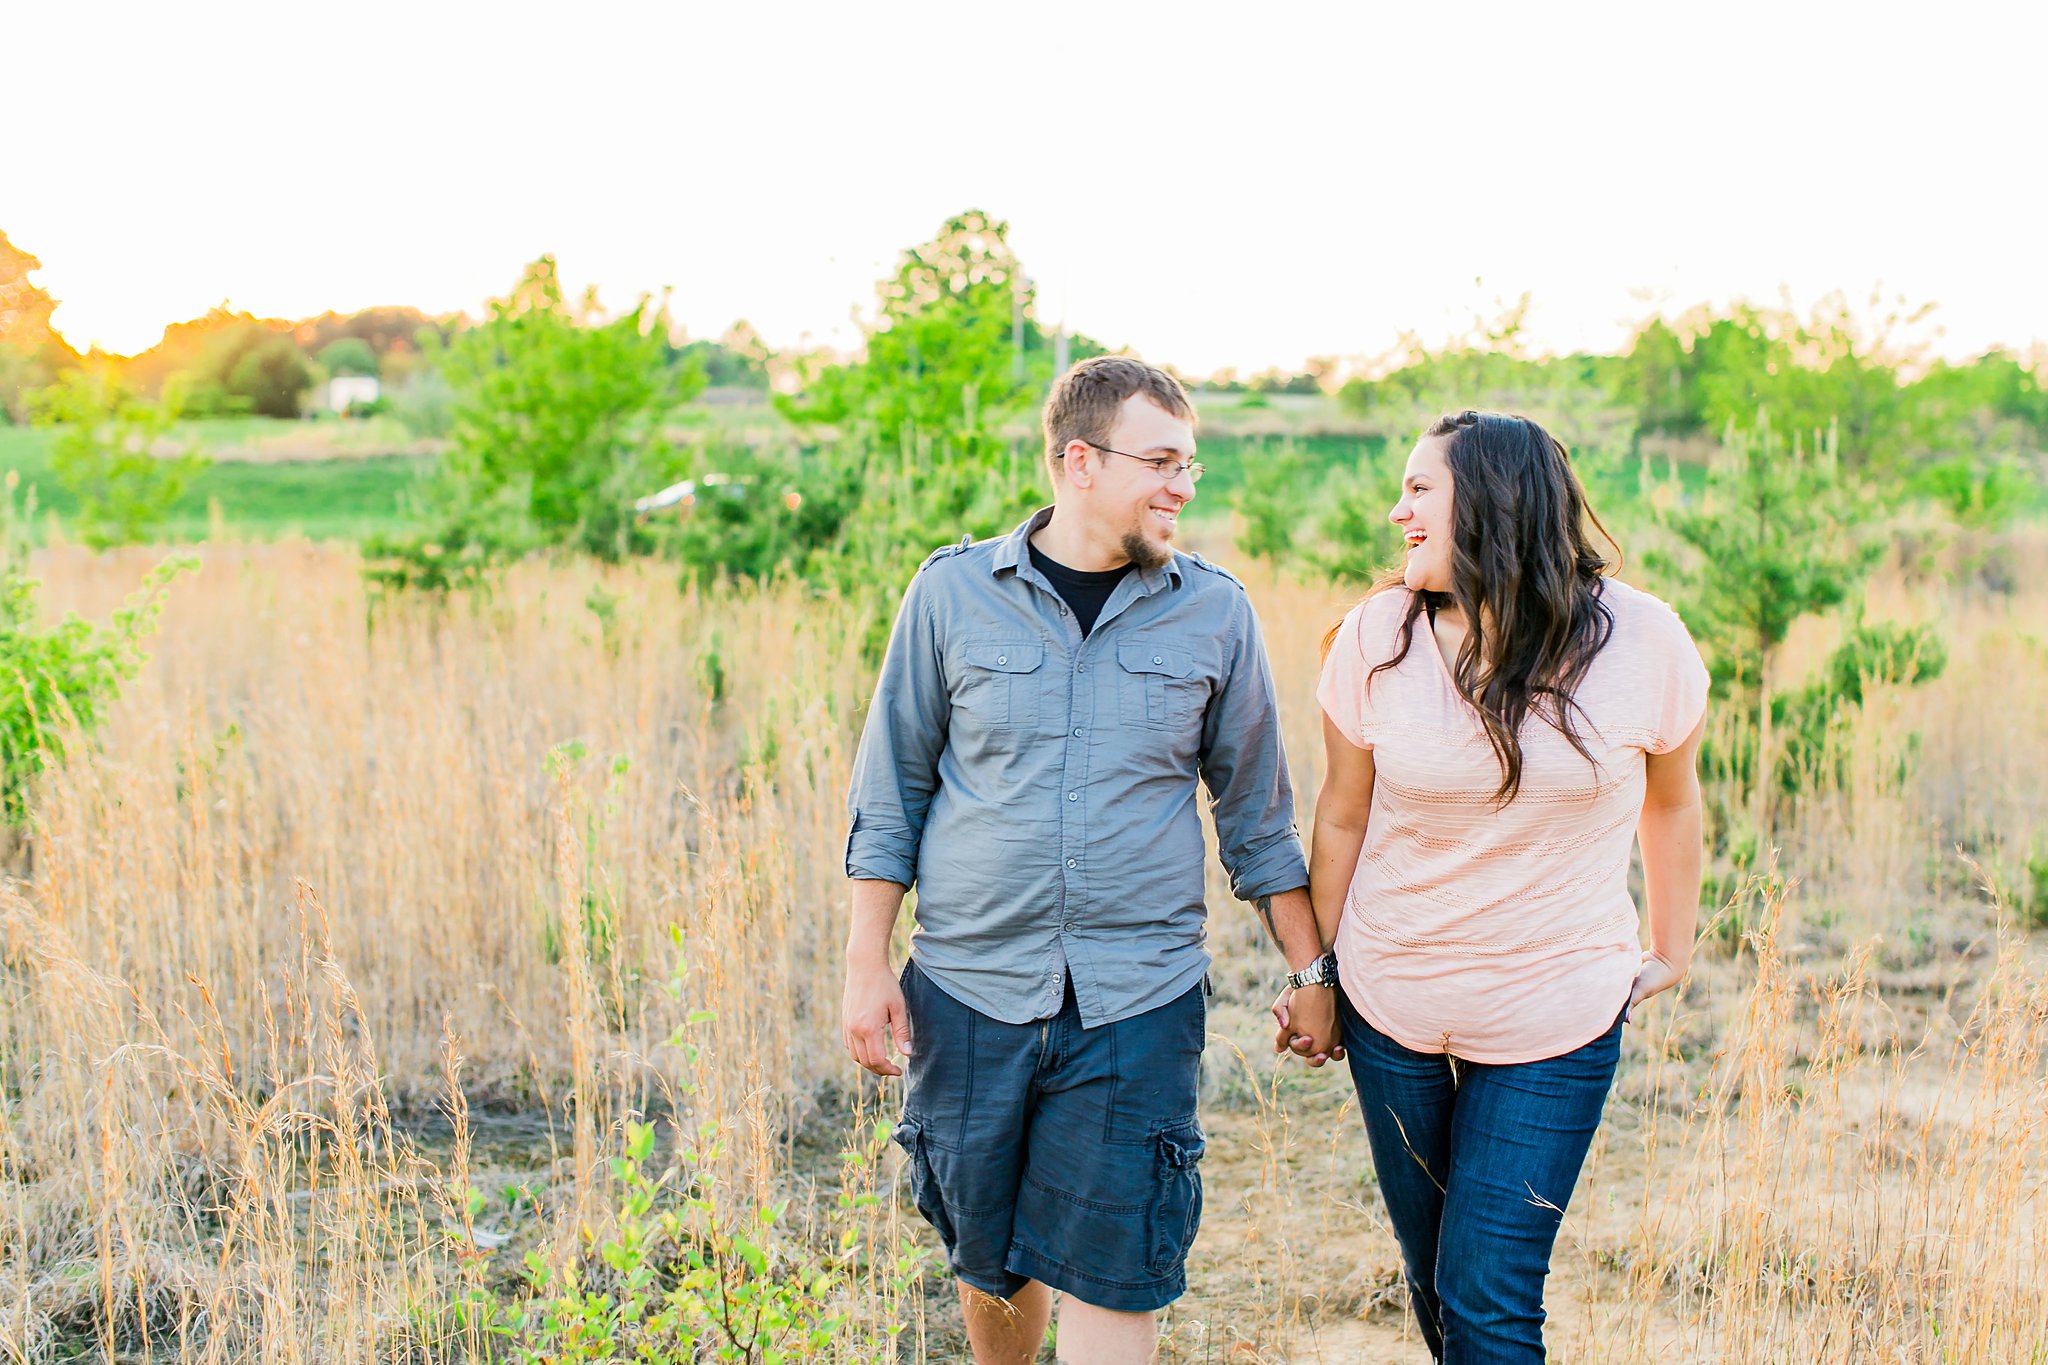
[(1670, 832), (1342, 806)]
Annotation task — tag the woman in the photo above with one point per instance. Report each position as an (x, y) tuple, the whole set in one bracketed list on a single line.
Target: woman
[(1502, 722)]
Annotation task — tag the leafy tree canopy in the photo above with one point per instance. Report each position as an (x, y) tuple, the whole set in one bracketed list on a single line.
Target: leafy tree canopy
[(564, 408), (348, 355), (954, 350), (32, 354)]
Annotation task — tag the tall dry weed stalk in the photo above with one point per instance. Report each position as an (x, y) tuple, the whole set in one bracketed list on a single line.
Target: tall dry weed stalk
[(338, 890)]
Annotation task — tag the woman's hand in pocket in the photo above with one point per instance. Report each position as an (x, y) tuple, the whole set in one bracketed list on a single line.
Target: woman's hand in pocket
[(1656, 975)]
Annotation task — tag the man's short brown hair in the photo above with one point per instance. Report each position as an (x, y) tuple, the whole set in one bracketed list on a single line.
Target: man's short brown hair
[(1084, 402)]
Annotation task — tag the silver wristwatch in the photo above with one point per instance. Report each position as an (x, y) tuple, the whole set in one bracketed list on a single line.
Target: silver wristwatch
[(1321, 972)]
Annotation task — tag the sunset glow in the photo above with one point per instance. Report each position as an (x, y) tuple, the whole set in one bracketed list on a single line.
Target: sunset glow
[(1203, 188)]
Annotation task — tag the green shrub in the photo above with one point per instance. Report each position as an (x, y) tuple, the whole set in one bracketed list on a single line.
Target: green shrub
[(1273, 504), (556, 422), (1812, 720), (56, 680), (105, 456), (754, 513)]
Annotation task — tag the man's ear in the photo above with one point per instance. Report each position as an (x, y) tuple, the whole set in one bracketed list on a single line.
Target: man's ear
[(1079, 467)]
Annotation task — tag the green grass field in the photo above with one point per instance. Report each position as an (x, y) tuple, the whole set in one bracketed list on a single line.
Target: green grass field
[(342, 481), (324, 499), (355, 490)]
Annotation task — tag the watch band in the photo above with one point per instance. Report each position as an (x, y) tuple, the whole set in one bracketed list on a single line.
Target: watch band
[(1321, 972)]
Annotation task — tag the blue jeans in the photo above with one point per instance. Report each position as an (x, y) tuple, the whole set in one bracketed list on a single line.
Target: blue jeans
[(1476, 1166)]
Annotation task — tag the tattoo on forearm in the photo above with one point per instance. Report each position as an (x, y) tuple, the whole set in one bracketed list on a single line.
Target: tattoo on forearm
[(1264, 905)]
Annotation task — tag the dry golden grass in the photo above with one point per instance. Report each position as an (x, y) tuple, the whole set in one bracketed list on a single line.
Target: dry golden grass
[(348, 915)]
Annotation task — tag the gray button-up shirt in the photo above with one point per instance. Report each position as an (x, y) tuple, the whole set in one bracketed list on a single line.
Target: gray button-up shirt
[(1038, 788)]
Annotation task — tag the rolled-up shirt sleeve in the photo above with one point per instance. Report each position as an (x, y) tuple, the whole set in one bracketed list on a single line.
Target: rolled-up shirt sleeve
[(896, 769), (1245, 768)]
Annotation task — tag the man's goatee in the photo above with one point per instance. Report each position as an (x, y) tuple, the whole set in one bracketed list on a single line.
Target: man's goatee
[(1144, 553)]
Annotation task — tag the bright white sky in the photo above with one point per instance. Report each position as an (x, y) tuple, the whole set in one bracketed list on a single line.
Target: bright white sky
[(1208, 185)]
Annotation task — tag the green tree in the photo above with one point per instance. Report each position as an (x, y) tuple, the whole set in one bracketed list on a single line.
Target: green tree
[(1273, 505), (387, 331), (955, 360), (955, 350), (563, 413), (106, 454), (1355, 542), (737, 360), (1486, 366), (1655, 378), (1773, 538), (349, 355), (1815, 374), (32, 354), (1995, 402), (272, 377)]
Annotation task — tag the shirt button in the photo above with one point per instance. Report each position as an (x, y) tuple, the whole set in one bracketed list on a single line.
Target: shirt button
[(1080, 668), (1073, 862), (1155, 659), (1073, 796), (1004, 658), (1077, 732)]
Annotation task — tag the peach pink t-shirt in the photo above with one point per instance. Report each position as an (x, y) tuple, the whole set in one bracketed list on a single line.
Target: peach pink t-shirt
[(1500, 935)]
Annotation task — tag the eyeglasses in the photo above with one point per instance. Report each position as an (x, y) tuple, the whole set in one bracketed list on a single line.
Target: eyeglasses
[(1167, 470)]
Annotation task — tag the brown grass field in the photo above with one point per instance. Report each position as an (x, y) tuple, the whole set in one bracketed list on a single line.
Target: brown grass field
[(348, 914)]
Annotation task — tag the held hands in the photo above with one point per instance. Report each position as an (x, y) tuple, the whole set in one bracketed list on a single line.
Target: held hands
[(1307, 1019), (874, 1015)]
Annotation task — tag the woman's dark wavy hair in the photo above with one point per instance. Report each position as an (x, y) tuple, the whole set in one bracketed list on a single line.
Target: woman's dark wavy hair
[(1526, 576)]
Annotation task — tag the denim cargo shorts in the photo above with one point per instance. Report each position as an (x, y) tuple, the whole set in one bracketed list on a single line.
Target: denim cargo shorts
[(1050, 1152)]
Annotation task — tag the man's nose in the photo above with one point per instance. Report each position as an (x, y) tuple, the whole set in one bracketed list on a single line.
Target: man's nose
[(1182, 486)]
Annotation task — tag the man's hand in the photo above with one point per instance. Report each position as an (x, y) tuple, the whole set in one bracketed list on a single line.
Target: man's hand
[(875, 1015), (1307, 1017)]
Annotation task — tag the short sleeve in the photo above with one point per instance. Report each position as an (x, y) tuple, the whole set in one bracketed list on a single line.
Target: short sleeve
[(1678, 697), (1341, 691)]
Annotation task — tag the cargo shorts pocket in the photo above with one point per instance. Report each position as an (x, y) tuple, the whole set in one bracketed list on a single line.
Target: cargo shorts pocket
[(1177, 1202), (924, 1187)]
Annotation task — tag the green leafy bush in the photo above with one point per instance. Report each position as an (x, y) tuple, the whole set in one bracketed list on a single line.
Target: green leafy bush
[(56, 680), (753, 513), (1273, 506), (1777, 535), (675, 1280), (556, 419), (105, 456), (1812, 720), (954, 351)]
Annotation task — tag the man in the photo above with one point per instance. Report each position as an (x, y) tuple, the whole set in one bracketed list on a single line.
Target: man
[(1029, 762)]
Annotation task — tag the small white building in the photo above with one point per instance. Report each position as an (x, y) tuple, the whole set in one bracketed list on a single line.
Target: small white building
[(344, 391)]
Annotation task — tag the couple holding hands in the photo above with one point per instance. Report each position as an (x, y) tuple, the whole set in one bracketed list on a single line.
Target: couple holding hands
[(1502, 721)]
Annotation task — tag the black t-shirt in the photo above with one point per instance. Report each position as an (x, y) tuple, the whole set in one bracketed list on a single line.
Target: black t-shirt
[(1085, 593)]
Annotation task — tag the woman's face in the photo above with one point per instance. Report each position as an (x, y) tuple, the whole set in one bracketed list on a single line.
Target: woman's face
[(1424, 515)]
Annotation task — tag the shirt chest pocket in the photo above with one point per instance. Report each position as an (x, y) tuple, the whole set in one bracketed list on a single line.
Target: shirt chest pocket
[(997, 682), (1157, 686)]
